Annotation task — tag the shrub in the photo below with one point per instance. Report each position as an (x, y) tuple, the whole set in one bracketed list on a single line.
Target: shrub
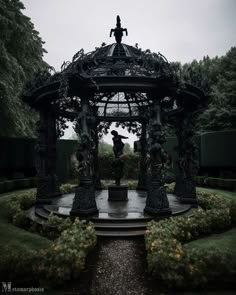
[(63, 260), (169, 260), (17, 266), (27, 200), (22, 183), (20, 219), (54, 226), (66, 257), (9, 185), (2, 187), (67, 188)]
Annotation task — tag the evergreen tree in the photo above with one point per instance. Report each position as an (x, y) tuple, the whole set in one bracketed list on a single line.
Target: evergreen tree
[(21, 55)]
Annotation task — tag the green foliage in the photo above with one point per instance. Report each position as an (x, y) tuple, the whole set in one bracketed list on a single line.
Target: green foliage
[(16, 206), (53, 265), (105, 148), (67, 188), (216, 76), (227, 184), (65, 259), (21, 56), (17, 266), (130, 169), (179, 267)]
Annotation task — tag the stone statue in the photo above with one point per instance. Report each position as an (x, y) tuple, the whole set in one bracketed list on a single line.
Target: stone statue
[(118, 31), (118, 145), (118, 163)]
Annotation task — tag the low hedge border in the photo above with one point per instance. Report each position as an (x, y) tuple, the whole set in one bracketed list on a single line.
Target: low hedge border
[(15, 184), (170, 262), (213, 182), (54, 266)]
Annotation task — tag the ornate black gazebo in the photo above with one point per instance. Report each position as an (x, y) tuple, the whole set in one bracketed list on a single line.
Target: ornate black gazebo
[(116, 83)]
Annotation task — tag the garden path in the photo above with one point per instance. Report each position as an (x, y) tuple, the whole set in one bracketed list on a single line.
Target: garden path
[(120, 268)]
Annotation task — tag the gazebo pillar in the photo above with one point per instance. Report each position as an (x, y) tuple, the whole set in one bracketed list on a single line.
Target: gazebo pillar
[(157, 202), (84, 203), (48, 186), (97, 178), (187, 163), (142, 177)]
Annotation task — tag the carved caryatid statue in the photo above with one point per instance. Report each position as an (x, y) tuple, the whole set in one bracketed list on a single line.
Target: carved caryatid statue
[(118, 31)]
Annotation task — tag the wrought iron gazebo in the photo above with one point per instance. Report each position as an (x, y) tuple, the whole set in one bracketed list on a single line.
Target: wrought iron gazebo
[(116, 83)]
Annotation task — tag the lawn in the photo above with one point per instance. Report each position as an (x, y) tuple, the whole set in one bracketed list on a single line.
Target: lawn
[(13, 236)]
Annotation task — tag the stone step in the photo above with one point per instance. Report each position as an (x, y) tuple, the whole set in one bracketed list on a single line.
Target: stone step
[(40, 212), (120, 226), (130, 233)]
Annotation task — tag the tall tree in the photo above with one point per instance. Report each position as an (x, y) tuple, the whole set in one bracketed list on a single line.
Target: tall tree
[(217, 76), (21, 55)]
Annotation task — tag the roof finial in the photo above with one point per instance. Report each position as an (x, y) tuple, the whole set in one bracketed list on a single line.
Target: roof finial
[(118, 31)]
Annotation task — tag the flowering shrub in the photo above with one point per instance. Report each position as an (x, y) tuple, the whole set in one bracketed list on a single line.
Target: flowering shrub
[(171, 262), (17, 205), (66, 257)]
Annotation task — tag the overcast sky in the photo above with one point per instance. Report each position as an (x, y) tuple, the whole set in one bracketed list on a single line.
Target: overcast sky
[(182, 30)]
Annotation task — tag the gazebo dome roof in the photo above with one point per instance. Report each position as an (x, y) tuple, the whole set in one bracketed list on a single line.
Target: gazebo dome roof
[(120, 60)]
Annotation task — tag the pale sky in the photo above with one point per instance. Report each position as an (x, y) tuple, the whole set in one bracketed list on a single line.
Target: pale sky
[(182, 30)]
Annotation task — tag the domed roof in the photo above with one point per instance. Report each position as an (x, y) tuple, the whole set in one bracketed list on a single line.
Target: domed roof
[(120, 60)]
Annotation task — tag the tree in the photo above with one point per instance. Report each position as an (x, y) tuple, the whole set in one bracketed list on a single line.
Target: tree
[(21, 55), (221, 112), (217, 77)]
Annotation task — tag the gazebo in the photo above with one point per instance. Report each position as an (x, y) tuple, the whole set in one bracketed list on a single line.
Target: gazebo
[(116, 83)]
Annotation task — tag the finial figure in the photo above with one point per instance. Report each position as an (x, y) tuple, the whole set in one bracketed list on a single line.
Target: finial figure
[(118, 31)]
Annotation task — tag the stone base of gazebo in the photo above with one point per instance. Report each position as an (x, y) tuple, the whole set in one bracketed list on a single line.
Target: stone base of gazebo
[(119, 218)]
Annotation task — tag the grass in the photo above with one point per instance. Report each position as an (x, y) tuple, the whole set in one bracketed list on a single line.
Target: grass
[(15, 237), (225, 241)]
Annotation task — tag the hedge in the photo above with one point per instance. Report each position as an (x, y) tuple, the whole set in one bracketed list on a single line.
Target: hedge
[(131, 168), (227, 184), (170, 262), (62, 261), (15, 184)]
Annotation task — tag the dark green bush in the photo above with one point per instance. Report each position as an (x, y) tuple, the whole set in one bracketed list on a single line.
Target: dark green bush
[(54, 266), (2, 187), (130, 168), (67, 188), (177, 267), (9, 185), (66, 257), (33, 181), (22, 183), (17, 266)]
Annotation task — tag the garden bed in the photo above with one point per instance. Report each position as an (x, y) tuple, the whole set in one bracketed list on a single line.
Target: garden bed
[(178, 265)]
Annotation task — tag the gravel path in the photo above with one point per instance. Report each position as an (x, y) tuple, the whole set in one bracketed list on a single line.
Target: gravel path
[(120, 268)]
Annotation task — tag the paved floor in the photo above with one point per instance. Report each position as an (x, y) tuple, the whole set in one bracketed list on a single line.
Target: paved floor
[(133, 208)]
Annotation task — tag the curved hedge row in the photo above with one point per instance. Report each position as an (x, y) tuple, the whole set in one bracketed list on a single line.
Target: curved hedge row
[(176, 266), (62, 261)]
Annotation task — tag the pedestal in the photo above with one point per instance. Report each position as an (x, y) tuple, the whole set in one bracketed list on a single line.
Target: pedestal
[(117, 193), (84, 203)]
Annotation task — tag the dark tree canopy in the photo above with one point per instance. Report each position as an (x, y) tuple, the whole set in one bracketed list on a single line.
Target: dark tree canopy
[(218, 77), (21, 55)]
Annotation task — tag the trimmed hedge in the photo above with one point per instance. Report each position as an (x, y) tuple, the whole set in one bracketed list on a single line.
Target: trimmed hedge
[(170, 262), (54, 266), (15, 184), (213, 182), (130, 167)]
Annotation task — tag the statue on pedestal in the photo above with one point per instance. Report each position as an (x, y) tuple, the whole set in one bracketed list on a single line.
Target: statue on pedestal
[(118, 192)]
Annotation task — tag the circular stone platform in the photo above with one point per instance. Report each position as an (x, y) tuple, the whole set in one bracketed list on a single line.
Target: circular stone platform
[(115, 218)]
